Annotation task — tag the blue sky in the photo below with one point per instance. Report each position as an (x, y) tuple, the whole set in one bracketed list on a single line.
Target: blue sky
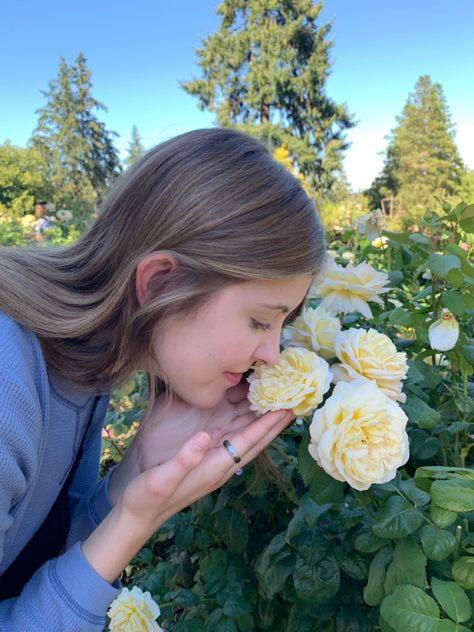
[(139, 51)]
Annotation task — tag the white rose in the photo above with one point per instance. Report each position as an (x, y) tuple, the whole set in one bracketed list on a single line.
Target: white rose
[(371, 224), (134, 611), (346, 290), (359, 435), (444, 332), (314, 329), (371, 355), (296, 382)]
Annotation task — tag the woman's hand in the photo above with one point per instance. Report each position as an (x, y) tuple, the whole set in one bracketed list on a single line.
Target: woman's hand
[(159, 492), (166, 429)]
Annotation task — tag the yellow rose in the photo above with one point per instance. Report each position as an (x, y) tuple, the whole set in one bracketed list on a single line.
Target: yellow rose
[(134, 611), (314, 329), (348, 289), (359, 435), (380, 242), (444, 332), (296, 382), (371, 355)]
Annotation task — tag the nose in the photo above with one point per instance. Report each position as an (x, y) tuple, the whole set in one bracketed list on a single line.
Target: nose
[(268, 350)]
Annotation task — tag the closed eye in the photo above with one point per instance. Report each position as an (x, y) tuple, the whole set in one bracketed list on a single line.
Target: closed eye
[(258, 325)]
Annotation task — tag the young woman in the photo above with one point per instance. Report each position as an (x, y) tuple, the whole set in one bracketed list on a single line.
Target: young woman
[(199, 254)]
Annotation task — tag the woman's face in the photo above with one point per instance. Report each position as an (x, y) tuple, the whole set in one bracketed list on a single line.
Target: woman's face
[(204, 354)]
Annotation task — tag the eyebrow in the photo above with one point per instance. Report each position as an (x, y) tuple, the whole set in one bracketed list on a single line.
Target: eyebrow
[(282, 308)]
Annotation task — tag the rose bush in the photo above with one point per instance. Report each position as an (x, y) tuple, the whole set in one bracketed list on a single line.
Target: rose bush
[(315, 553)]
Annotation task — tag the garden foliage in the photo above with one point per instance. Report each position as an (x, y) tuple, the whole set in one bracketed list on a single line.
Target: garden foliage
[(316, 554)]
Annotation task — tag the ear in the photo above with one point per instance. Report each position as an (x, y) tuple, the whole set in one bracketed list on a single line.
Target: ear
[(155, 265)]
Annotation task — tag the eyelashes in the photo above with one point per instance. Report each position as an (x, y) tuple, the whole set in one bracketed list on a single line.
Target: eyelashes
[(255, 324)]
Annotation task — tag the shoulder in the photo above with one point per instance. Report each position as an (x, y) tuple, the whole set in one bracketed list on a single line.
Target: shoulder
[(24, 402), (23, 371)]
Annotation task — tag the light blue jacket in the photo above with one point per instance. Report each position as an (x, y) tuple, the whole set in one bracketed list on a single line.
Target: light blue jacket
[(42, 418)]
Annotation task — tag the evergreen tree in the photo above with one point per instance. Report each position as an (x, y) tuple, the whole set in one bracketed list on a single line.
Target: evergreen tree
[(265, 71), (78, 149), (135, 148), (422, 159)]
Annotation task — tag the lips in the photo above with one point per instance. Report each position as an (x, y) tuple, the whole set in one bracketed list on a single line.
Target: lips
[(233, 378)]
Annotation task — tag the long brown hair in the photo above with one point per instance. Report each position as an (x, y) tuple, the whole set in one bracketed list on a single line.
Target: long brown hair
[(215, 199)]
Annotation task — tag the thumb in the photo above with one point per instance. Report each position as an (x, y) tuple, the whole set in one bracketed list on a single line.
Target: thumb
[(189, 457)]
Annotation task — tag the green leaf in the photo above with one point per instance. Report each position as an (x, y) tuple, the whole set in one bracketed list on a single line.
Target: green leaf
[(273, 566), (236, 606), (374, 592), (232, 526), (396, 277), (190, 625), (310, 544), (438, 544), (368, 543), (453, 494), (397, 519), (225, 625), (422, 446), (322, 487), (453, 302), (408, 566), (187, 598), (441, 265), (455, 278), (213, 568), (354, 565), (400, 316), (463, 572), (319, 583), (444, 472), (467, 219), (420, 413), (409, 608), (308, 513), (468, 353), (452, 599), (400, 238)]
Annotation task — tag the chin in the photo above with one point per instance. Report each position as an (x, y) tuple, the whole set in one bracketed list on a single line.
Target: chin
[(202, 399)]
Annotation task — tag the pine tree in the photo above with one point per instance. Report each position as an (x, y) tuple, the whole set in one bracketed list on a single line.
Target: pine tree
[(265, 71), (135, 148), (422, 159), (78, 149)]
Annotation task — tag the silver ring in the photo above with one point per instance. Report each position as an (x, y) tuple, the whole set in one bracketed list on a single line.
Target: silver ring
[(239, 472), (231, 450)]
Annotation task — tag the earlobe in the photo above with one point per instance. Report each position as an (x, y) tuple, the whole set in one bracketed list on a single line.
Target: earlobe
[(148, 273)]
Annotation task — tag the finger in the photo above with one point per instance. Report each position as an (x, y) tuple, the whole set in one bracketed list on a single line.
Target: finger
[(237, 393), (177, 469), (253, 438)]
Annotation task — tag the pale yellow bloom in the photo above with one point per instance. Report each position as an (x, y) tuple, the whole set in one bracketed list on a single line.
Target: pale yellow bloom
[(349, 289), (359, 435), (444, 332), (371, 224), (134, 611), (380, 242), (314, 329), (296, 382), (28, 221), (371, 355)]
